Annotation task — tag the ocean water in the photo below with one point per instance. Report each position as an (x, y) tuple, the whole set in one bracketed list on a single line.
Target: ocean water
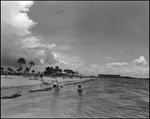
[(101, 98)]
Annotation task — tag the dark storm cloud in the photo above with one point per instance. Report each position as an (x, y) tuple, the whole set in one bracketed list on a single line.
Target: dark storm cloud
[(17, 40)]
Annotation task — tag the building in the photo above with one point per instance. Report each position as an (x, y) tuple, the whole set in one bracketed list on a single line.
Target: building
[(108, 76)]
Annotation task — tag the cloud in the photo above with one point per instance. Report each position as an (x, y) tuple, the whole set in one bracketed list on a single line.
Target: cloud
[(75, 66), (17, 39), (59, 59), (50, 46), (70, 59), (15, 17), (117, 64), (94, 65), (136, 67), (39, 55), (140, 61)]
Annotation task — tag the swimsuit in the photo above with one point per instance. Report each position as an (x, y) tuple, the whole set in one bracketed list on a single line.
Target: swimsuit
[(80, 92)]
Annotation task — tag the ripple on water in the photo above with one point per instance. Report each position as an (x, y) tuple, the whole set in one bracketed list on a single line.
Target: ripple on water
[(100, 99)]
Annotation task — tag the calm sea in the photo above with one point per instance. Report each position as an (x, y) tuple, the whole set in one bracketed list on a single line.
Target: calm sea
[(101, 98)]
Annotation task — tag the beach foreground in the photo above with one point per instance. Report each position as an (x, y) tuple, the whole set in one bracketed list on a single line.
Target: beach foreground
[(101, 98)]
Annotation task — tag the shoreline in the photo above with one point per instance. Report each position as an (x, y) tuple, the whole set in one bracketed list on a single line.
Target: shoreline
[(9, 92), (78, 80), (45, 82), (12, 90)]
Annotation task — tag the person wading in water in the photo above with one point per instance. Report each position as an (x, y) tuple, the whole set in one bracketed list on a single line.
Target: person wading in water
[(56, 86)]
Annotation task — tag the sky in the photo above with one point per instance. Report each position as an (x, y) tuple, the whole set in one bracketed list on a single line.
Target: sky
[(91, 37)]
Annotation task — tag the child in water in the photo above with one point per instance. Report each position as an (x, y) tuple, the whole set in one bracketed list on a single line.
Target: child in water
[(79, 91), (56, 86)]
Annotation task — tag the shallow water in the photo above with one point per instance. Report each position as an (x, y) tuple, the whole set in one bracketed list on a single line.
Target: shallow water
[(101, 98)]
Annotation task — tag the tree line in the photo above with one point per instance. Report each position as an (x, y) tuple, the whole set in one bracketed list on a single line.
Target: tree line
[(49, 71)]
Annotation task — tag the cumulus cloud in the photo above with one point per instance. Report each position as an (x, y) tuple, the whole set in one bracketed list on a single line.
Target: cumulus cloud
[(140, 61), (50, 46), (70, 59), (17, 39), (59, 59), (14, 17), (94, 65), (117, 64), (136, 67)]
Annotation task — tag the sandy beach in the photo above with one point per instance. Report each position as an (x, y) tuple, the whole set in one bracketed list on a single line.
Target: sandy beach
[(15, 84)]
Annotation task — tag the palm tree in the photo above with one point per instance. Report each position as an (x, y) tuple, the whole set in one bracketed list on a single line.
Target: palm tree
[(31, 64), (27, 69), (21, 61)]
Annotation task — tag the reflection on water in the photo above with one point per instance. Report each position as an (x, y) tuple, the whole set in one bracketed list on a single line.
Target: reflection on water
[(54, 102), (79, 108)]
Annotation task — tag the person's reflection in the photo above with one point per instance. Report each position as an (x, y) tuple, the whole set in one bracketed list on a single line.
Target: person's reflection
[(79, 108), (54, 103)]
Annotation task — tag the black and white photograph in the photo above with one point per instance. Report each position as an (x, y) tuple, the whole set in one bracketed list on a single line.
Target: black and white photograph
[(75, 59)]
